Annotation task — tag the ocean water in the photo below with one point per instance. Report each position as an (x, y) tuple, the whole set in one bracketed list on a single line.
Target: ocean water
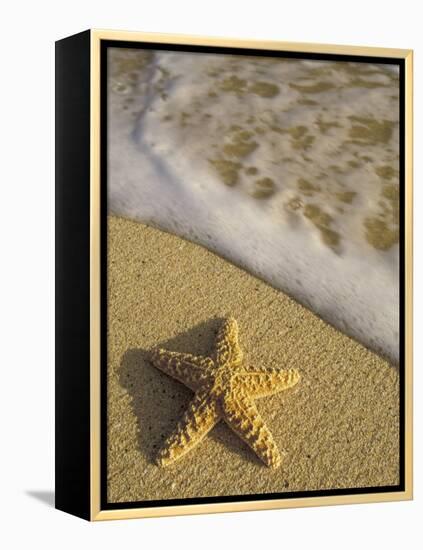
[(288, 168)]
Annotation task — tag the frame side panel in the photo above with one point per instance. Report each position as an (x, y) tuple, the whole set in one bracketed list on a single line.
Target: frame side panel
[(72, 370)]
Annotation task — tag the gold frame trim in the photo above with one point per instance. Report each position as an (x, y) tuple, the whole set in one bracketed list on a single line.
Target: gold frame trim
[(96, 514)]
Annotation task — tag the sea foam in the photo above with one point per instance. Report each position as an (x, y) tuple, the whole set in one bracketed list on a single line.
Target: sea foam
[(288, 168)]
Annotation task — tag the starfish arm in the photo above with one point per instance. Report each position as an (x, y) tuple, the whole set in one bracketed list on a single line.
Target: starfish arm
[(200, 417), (241, 414), (189, 369), (227, 346), (259, 383)]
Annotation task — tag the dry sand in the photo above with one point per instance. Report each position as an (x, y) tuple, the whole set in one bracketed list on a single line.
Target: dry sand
[(339, 427)]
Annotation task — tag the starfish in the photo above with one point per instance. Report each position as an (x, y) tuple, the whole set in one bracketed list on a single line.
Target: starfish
[(224, 389)]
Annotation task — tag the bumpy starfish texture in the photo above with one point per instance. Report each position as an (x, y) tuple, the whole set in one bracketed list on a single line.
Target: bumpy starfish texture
[(224, 390)]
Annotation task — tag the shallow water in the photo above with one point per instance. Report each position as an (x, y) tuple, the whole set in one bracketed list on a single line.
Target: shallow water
[(289, 168)]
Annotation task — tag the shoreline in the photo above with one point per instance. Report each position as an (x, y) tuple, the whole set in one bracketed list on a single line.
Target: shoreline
[(383, 354)]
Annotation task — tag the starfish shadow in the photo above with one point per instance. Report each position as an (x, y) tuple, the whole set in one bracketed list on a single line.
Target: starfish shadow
[(159, 401)]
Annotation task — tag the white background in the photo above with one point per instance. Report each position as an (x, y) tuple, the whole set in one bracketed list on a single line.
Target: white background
[(29, 30)]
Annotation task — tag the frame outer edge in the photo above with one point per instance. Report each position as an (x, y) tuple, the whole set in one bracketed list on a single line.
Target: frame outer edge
[(409, 274), (95, 280), (96, 514), (197, 40)]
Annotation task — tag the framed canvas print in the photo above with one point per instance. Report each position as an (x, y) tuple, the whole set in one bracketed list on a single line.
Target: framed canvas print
[(233, 274)]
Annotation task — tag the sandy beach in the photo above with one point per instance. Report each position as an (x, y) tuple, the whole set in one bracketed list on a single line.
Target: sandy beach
[(338, 428)]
